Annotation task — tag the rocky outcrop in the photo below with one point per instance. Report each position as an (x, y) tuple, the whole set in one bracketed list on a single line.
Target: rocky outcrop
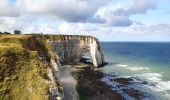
[(71, 48), (53, 75)]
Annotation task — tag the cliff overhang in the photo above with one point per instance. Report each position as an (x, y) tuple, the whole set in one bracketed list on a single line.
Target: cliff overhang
[(71, 48)]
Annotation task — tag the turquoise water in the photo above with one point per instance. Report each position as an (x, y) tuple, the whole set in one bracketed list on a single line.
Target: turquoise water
[(147, 61)]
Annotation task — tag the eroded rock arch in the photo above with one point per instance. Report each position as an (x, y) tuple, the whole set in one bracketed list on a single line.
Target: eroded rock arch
[(85, 50), (70, 48)]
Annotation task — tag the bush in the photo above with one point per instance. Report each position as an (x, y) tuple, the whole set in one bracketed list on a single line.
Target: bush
[(7, 33), (17, 32)]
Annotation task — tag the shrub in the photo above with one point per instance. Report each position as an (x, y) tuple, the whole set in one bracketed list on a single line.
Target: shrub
[(17, 32), (7, 33)]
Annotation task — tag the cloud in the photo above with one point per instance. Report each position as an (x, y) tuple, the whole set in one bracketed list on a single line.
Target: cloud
[(144, 30), (8, 24), (141, 6), (114, 15), (78, 11), (136, 32), (27, 23), (8, 9), (76, 28), (68, 10), (101, 18)]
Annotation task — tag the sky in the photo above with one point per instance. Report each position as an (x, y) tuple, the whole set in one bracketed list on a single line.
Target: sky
[(108, 20)]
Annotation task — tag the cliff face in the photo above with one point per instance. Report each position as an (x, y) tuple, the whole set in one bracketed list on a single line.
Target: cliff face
[(70, 49), (29, 63)]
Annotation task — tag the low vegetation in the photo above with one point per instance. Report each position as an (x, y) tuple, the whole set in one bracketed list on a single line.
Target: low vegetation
[(23, 67)]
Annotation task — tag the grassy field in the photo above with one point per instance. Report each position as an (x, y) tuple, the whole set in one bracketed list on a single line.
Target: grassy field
[(23, 76)]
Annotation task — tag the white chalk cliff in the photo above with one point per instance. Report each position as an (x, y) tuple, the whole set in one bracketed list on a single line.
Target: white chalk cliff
[(70, 49)]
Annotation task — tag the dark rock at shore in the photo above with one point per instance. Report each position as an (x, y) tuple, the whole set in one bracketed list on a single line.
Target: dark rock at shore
[(127, 87), (90, 86), (126, 81), (134, 93), (123, 80)]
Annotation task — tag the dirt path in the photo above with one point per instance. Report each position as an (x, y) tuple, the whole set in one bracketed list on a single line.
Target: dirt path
[(69, 83)]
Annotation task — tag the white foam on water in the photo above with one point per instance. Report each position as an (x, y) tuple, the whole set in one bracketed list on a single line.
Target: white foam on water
[(159, 91), (115, 87), (164, 85), (156, 84), (154, 88), (132, 68), (156, 79), (138, 68), (152, 77), (113, 84), (122, 65)]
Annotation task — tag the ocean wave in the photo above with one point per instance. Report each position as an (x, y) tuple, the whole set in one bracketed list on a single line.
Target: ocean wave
[(145, 81), (164, 85), (130, 84), (122, 65), (138, 68), (133, 68), (156, 79), (152, 77)]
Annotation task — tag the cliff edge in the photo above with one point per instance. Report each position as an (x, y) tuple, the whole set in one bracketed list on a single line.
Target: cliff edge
[(29, 64)]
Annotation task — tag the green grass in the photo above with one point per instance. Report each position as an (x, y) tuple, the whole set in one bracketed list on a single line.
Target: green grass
[(23, 75), (21, 70), (11, 40)]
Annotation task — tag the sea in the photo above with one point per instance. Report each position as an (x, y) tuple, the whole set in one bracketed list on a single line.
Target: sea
[(146, 61)]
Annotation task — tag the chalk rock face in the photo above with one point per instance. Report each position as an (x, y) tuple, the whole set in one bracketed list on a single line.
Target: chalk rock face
[(71, 48)]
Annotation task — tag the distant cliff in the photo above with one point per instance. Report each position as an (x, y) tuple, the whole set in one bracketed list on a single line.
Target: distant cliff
[(70, 49)]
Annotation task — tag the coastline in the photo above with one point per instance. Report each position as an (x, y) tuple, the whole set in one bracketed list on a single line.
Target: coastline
[(92, 84)]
